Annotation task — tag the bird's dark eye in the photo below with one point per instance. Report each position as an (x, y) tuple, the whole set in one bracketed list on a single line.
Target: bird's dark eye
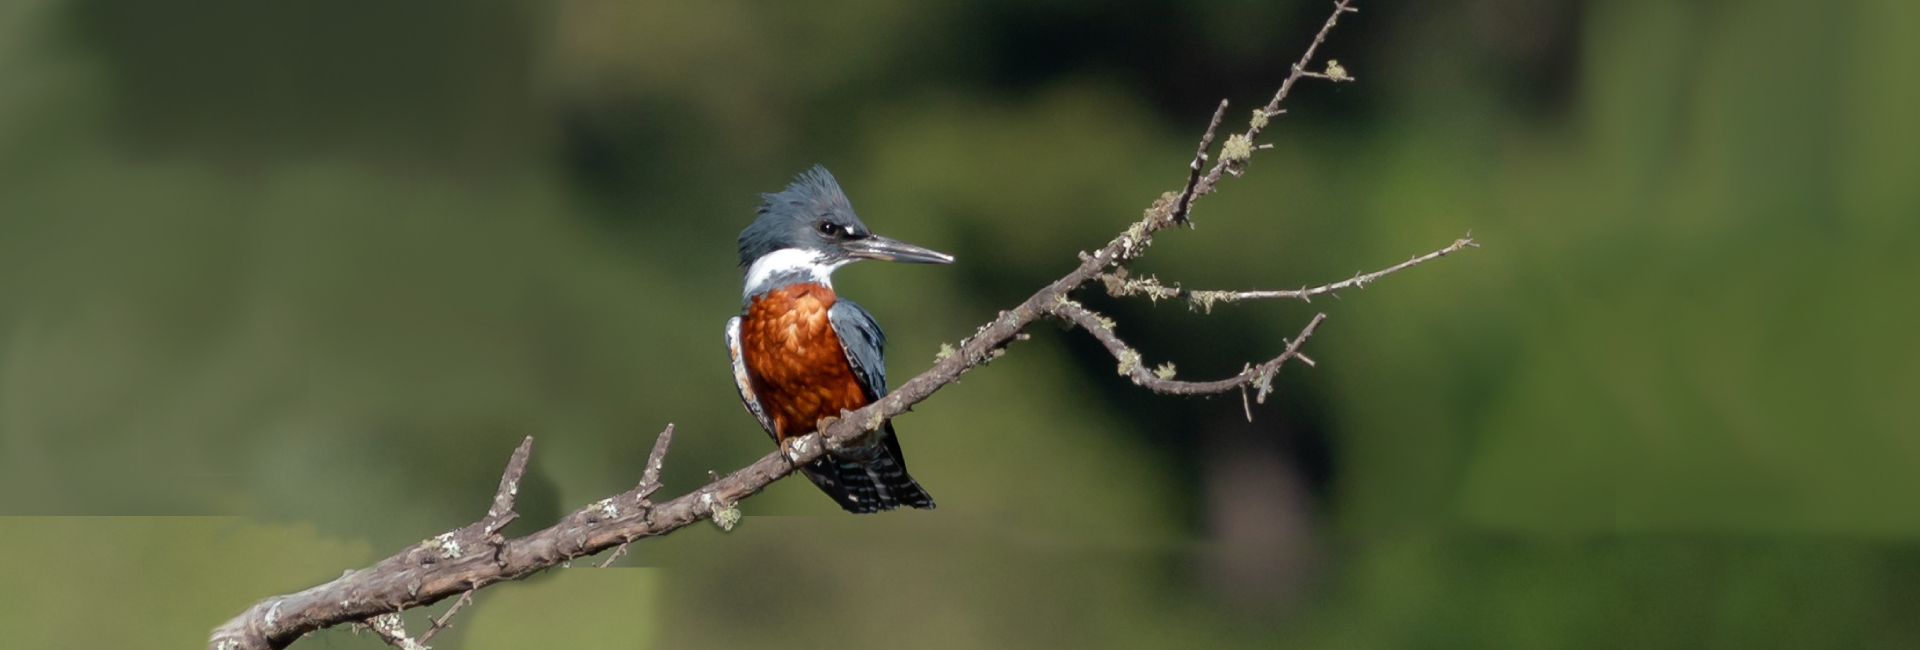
[(829, 229)]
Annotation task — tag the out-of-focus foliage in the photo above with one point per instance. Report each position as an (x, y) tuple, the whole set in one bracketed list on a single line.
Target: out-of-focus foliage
[(318, 266)]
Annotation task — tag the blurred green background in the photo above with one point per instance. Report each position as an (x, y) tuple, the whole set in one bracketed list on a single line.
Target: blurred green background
[(281, 285)]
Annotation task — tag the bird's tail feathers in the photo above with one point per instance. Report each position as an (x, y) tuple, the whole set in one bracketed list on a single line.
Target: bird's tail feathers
[(871, 482)]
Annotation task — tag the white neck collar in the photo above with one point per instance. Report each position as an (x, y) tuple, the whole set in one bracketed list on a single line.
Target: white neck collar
[(789, 264)]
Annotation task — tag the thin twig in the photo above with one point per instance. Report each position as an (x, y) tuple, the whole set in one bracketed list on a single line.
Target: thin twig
[(1119, 284), (649, 484), (1306, 58), (1206, 299), (502, 512), (1264, 114), (446, 618), (1199, 163), (615, 555), (1133, 368)]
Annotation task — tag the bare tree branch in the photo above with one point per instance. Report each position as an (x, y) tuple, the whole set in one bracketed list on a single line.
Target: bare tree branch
[(1199, 162), (461, 561), (1239, 147), (656, 461), (1120, 285), (649, 483), (502, 512), (1162, 381)]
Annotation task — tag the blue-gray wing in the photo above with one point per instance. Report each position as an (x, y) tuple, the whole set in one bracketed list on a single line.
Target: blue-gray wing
[(866, 346), (744, 383), (881, 466)]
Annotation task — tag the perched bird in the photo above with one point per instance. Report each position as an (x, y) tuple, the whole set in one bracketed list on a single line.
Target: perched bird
[(801, 353)]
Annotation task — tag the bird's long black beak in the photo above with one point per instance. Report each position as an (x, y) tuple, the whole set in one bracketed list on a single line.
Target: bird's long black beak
[(893, 250)]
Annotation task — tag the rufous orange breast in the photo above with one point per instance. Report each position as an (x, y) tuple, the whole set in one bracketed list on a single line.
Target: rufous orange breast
[(794, 359)]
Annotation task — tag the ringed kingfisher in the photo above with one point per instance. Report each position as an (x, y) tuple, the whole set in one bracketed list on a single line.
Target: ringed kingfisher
[(801, 353)]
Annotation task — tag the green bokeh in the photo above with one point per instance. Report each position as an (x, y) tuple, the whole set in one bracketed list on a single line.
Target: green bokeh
[(281, 287)]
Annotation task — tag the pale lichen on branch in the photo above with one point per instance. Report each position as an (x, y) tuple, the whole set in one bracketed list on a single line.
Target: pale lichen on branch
[(1119, 284)]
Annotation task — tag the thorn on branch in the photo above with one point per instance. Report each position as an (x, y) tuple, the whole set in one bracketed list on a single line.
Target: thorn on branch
[(1271, 368), (446, 619), (615, 555)]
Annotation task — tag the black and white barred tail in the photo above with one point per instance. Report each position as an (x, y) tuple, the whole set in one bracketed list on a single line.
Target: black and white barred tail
[(872, 479)]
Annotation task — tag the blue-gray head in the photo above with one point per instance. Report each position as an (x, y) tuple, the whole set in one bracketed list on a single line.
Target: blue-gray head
[(808, 230)]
